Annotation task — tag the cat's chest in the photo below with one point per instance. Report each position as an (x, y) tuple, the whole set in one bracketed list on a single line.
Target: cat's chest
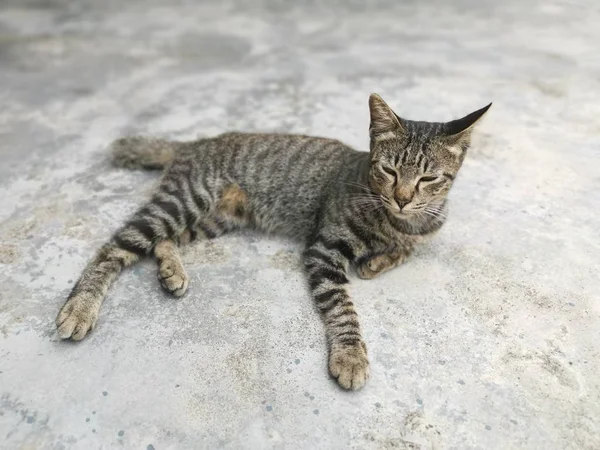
[(403, 240), (392, 240)]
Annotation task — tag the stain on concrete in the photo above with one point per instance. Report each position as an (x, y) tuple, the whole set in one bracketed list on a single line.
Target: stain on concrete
[(9, 254), (287, 260), (205, 253)]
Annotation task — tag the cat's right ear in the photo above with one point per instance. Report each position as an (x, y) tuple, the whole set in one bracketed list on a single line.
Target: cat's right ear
[(384, 122)]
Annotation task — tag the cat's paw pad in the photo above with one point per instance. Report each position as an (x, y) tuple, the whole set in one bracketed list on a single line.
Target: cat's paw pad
[(350, 366), (173, 278), (77, 317)]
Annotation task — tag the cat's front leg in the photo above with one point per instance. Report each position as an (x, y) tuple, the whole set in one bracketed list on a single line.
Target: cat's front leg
[(326, 267)]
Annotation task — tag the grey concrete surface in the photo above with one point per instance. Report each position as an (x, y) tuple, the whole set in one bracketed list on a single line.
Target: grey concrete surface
[(488, 338)]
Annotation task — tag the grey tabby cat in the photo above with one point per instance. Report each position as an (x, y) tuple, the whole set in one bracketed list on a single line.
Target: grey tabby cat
[(355, 208)]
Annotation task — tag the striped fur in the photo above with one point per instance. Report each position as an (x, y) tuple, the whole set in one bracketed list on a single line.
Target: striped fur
[(366, 210)]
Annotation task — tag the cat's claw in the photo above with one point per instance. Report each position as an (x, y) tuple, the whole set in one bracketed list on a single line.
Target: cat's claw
[(350, 365)]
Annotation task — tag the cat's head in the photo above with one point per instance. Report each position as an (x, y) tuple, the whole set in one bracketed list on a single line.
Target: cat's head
[(413, 164)]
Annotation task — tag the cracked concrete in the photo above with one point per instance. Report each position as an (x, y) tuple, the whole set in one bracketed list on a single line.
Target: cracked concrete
[(486, 339)]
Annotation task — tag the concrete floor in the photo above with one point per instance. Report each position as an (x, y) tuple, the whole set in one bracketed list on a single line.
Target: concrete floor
[(488, 338)]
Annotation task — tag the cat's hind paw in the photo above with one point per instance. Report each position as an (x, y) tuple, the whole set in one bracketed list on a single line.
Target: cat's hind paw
[(172, 277), (77, 317)]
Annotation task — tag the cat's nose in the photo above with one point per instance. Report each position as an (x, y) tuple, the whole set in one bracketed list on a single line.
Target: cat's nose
[(402, 203), (403, 196)]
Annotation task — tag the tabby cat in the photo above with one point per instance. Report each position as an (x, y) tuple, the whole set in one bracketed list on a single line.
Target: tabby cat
[(368, 210)]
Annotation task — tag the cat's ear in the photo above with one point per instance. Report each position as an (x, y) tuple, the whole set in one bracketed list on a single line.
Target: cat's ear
[(457, 133), (383, 119), (465, 124)]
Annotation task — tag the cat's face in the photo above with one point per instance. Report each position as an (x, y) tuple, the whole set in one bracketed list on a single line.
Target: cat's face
[(413, 164)]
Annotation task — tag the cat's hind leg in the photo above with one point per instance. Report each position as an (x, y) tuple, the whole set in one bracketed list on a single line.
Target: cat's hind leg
[(157, 221), (171, 273), (79, 314), (231, 212)]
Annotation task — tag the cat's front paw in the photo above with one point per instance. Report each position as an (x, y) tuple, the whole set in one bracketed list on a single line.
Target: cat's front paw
[(365, 272), (350, 365), (172, 277), (77, 317), (373, 267), (378, 265)]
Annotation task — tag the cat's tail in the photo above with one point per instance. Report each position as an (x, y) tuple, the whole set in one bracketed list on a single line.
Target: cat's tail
[(139, 152)]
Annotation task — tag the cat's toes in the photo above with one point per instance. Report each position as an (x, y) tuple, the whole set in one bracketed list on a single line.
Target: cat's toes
[(349, 365), (77, 317), (173, 278), (365, 272)]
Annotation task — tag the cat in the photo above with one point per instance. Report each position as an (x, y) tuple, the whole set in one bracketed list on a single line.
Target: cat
[(349, 208)]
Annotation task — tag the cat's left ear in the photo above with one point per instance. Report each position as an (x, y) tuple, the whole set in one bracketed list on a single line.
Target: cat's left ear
[(457, 133)]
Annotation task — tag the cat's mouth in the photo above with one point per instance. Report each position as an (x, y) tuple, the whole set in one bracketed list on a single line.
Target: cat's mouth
[(410, 211), (396, 210), (401, 214)]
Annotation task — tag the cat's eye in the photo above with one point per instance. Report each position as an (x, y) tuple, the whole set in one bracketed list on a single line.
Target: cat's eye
[(389, 171), (427, 179)]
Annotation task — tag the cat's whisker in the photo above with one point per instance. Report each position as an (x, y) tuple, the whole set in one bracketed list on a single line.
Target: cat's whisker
[(355, 183), (436, 215), (436, 210), (374, 197), (364, 187), (367, 203), (430, 215)]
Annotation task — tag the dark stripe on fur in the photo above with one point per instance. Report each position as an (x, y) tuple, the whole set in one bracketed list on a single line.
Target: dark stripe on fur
[(131, 247), (347, 323), (171, 208), (348, 341), (327, 259), (335, 276), (210, 234), (330, 299), (325, 296), (145, 229), (362, 234), (346, 312), (345, 334), (339, 245)]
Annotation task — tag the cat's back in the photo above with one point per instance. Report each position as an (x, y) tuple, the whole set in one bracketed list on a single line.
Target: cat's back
[(279, 142), (248, 155), (287, 177)]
